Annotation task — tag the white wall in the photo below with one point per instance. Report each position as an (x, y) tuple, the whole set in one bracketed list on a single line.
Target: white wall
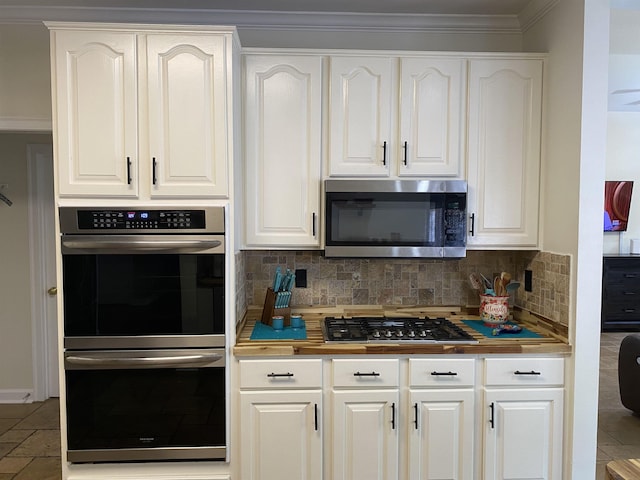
[(15, 301), (576, 35), (25, 87)]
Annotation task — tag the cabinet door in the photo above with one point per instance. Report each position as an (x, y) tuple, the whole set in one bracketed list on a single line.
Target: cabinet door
[(441, 432), (281, 435), (95, 111), (187, 119), (523, 434), (505, 101), (365, 435), (362, 106), (431, 116), (283, 121)]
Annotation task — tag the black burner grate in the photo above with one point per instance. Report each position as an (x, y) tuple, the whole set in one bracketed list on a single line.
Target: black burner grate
[(393, 330)]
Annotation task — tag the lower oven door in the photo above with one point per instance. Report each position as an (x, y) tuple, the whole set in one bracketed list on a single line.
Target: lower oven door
[(145, 405)]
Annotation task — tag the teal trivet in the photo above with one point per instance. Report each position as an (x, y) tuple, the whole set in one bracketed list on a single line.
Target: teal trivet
[(266, 332)]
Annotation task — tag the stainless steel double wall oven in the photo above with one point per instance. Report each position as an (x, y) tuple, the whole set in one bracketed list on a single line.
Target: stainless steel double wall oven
[(144, 333)]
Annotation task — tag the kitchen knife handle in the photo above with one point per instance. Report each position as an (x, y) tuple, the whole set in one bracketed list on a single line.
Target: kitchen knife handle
[(491, 417), (415, 415), (384, 152), (153, 175), (393, 416), (128, 170), (404, 160), (473, 224), (315, 416), (313, 224)]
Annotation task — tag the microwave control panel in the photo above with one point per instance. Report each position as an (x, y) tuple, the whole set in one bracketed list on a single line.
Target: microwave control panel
[(141, 219)]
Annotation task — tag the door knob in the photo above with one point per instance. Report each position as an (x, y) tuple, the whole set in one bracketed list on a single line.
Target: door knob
[(53, 291)]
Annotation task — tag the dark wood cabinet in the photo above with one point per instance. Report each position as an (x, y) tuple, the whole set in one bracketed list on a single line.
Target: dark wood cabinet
[(621, 293)]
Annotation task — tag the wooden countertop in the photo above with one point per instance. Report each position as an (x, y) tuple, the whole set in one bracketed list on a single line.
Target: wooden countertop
[(553, 341)]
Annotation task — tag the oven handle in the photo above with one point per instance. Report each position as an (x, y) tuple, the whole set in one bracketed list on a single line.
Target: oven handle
[(166, 361), (132, 244)]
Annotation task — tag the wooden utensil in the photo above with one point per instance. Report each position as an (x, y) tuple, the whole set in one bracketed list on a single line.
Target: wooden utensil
[(476, 282), (505, 278), (497, 287)]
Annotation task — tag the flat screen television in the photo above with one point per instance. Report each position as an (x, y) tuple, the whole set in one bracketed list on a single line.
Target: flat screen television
[(617, 200)]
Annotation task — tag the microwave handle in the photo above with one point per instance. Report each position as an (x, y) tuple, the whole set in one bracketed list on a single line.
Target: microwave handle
[(131, 244)]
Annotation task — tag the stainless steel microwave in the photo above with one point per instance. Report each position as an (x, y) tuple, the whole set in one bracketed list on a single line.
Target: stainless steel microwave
[(395, 218)]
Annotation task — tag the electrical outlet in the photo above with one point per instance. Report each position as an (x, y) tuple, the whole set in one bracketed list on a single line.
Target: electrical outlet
[(301, 278), (528, 281)]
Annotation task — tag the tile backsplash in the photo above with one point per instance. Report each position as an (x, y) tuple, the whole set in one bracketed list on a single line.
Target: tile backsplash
[(372, 281)]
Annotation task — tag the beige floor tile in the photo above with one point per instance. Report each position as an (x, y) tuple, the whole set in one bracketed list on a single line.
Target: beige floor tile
[(6, 448), (13, 464), (43, 443), (44, 418), (15, 436), (41, 469), (19, 411), (7, 423)]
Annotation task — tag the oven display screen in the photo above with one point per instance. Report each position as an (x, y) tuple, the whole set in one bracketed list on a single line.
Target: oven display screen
[(141, 219)]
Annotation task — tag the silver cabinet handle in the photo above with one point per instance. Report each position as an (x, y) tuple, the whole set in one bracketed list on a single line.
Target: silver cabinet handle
[(371, 374), (278, 375)]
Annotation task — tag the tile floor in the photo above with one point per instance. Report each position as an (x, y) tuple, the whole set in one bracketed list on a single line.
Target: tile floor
[(30, 441), (30, 435)]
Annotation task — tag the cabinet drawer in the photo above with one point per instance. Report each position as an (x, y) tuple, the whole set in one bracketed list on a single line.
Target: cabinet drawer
[(292, 373), (524, 371), (365, 373), (441, 372), (622, 310)]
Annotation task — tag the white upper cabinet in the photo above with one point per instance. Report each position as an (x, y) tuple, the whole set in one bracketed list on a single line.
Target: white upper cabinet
[(432, 103), (96, 104), (362, 104), (382, 126), (140, 114), (505, 108), (186, 84), (283, 122)]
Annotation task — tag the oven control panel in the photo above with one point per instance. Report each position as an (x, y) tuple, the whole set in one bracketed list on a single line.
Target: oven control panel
[(141, 219)]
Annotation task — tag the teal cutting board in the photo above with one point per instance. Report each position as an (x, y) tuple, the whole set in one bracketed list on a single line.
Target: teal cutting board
[(479, 326), (266, 332)]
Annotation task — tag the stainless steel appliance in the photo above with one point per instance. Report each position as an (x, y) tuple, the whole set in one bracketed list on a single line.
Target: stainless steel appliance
[(395, 218), (144, 333), (393, 330)]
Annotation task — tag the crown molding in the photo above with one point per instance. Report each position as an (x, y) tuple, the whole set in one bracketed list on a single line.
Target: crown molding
[(507, 24), (534, 12)]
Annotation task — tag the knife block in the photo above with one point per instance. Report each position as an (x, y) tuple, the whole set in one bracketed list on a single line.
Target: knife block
[(269, 309)]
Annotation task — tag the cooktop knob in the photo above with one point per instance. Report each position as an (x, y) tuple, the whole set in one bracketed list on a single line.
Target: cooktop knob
[(411, 333), (399, 333), (388, 333), (376, 334)]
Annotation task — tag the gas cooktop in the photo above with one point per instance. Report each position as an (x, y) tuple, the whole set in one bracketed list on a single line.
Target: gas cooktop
[(393, 330)]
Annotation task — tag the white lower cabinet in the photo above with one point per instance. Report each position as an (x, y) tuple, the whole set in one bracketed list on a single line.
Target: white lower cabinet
[(365, 402), (441, 419), (419, 418), (523, 400), (280, 408)]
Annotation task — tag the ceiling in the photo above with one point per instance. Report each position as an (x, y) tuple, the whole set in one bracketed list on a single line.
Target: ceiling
[(501, 15)]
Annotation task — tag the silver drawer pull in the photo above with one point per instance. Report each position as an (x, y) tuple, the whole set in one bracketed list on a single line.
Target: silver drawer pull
[(279, 375), (371, 374), (532, 372), (441, 374)]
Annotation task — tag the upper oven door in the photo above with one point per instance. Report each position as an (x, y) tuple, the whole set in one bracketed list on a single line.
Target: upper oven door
[(143, 291)]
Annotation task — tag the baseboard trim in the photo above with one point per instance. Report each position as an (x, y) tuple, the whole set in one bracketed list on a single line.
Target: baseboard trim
[(11, 395)]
